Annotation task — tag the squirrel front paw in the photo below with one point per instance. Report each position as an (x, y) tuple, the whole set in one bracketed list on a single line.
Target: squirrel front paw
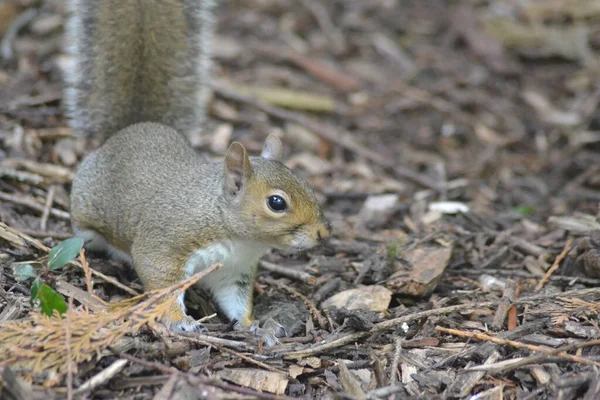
[(270, 330), (176, 320)]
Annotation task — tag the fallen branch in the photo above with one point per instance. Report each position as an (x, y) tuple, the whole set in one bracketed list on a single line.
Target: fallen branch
[(213, 343), (554, 266), (544, 350), (47, 207), (30, 203), (289, 273), (104, 376)]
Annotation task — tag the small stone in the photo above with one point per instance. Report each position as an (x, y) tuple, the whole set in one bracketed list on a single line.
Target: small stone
[(375, 298)]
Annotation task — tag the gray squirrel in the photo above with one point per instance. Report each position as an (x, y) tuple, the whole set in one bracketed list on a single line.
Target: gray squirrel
[(145, 196)]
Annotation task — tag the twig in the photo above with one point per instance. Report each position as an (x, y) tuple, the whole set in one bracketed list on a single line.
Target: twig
[(289, 273), (102, 377), (22, 239), (336, 79), (385, 391), (21, 176), (41, 234), (544, 350), (88, 274), (11, 33), (554, 266), (69, 356), (50, 133), (212, 343), (462, 387), (30, 203), (538, 358), (108, 279), (47, 207), (485, 349), (329, 344), (52, 172), (343, 139), (395, 362), (307, 302)]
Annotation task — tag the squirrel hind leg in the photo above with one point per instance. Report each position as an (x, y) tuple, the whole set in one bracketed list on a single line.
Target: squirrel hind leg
[(96, 243)]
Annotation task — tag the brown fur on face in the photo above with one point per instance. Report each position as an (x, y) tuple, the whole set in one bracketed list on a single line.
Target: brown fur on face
[(301, 226)]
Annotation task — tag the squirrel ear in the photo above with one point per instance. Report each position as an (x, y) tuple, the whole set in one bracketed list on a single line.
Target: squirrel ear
[(272, 149), (237, 169)]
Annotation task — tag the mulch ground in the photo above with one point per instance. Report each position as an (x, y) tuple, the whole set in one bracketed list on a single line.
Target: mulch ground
[(454, 146)]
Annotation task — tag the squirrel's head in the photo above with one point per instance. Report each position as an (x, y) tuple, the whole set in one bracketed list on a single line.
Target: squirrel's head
[(276, 206)]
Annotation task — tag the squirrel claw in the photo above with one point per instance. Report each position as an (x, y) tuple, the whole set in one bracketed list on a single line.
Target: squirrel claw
[(187, 324), (270, 331)]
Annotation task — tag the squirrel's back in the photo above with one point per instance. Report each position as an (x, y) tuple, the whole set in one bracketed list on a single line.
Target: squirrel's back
[(138, 61)]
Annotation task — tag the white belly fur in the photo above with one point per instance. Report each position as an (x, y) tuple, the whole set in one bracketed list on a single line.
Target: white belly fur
[(238, 259)]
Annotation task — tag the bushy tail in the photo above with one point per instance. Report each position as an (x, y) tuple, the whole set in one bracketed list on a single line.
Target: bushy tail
[(136, 61)]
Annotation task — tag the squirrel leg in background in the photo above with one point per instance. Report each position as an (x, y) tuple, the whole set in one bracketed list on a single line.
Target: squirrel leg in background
[(96, 243), (158, 272), (236, 301)]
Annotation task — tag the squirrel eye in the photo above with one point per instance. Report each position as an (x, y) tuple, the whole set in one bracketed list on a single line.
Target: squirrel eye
[(276, 204)]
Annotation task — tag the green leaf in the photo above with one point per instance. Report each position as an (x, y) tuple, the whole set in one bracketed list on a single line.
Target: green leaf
[(50, 300), (23, 272), (524, 210), (35, 288), (64, 252)]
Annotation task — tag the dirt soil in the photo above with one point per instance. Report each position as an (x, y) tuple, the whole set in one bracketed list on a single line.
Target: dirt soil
[(455, 148)]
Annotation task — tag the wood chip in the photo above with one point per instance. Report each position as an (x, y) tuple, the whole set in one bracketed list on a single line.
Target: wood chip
[(257, 379), (428, 265)]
